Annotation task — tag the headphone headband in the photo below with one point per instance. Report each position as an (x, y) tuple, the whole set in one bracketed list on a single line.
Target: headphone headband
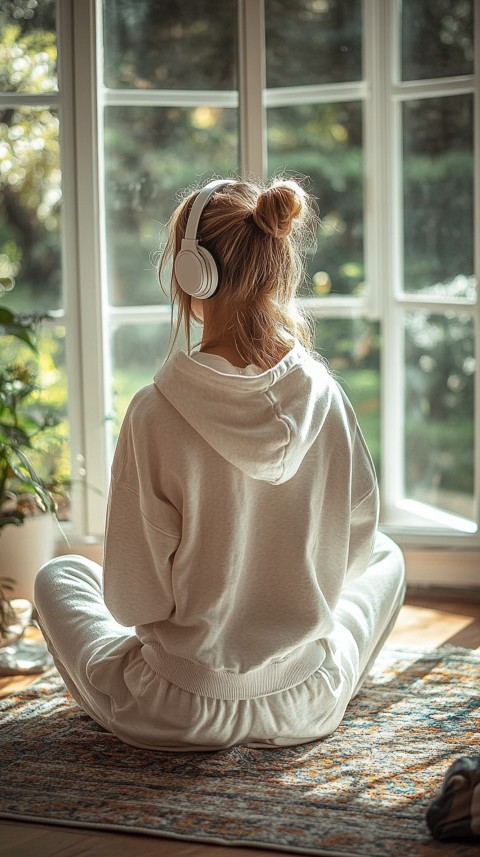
[(195, 268), (201, 201)]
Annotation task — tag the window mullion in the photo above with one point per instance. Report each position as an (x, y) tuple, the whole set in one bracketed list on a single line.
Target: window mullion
[(94, 362), (251, 76), (476, 233), (31, 99), (70, 269), (335, 306), (325, 93), (169, 97), (433, 88), (411, 301), (393, 362), (376, 191)]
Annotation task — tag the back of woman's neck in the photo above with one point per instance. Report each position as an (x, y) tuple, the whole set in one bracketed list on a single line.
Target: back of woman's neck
[(226, 350)]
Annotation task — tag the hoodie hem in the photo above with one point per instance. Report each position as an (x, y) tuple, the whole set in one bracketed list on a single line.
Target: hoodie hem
[(225, 684)]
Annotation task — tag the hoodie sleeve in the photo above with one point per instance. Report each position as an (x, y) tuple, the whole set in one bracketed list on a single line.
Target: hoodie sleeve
[(142, 535), (364, 509)]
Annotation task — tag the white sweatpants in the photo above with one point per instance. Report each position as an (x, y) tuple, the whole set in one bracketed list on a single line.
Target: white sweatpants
[(102, 665)]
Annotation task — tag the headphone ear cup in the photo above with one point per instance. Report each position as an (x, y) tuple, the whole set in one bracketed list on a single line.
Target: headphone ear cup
[(210, 282), (194, 268), (196, 272)]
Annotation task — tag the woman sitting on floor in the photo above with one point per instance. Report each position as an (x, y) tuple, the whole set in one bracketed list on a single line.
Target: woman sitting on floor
[(246, 589)]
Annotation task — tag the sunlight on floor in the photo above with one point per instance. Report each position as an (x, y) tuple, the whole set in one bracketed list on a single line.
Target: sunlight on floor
[(426, 627)]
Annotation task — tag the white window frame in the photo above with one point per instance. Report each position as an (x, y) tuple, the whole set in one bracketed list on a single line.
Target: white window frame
[(397, 302), (87, 298), (86, 343)]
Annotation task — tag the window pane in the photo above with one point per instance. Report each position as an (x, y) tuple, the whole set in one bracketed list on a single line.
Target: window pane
[(170, 45), (438, 196), (324, 142), (352, 348), (30, 253), (28, 46), (311, 42), (138, 351), (150, 154), (439, 430), (437, 38)]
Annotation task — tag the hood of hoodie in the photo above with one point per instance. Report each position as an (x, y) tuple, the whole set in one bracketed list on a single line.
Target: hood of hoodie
[(263, 424)]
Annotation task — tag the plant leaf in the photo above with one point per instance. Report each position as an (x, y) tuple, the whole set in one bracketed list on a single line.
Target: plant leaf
[(23, 327), (13, 328), (32, 479), (6, 315), (13, 435)]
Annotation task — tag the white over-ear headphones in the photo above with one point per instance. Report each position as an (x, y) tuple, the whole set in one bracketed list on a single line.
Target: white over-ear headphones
[(195, 268)]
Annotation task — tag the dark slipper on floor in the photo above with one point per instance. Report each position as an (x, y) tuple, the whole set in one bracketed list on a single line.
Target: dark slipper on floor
[(455, 813)]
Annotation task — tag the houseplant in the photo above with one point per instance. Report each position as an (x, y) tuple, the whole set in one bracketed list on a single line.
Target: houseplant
[(25, 495)]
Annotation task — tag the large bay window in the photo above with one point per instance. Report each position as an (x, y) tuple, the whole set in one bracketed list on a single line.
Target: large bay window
[(375, 102)]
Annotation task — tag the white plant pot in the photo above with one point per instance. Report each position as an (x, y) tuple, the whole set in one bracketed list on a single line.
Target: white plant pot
[(23, 613), (23, 550)]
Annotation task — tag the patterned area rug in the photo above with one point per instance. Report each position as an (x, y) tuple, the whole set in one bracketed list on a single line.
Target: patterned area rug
[(362, 792)]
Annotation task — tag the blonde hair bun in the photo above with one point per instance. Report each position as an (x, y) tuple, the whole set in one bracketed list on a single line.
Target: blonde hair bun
[(278, 206)]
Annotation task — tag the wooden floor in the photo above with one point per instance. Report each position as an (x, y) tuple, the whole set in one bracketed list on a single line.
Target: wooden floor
[(425, 620)]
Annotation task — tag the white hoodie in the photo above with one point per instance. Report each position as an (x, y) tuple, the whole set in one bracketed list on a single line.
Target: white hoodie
[(240, 506)]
